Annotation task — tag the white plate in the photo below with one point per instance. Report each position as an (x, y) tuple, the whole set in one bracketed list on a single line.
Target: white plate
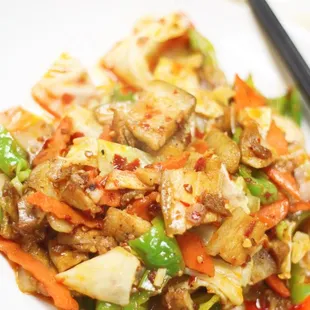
[(33, 33)]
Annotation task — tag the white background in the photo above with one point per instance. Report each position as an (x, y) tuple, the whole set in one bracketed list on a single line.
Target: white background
[(34, 32)]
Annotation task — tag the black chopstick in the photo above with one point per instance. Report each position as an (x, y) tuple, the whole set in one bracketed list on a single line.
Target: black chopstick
[(296, 64)]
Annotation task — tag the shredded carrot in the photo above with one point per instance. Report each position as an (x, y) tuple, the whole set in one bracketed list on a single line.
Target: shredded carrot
[(105, 135), (60, 210), (272, 214), (200, 146), (278, 286), (246, 96), (284, 180), (60, 294), (173, 162), (110, 198), (305, 305), (140, 207), (299, 206), (57, 143), (194, 253), (276, 139)]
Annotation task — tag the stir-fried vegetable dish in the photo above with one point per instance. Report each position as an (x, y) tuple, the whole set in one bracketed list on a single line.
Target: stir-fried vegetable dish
[(154, 183)]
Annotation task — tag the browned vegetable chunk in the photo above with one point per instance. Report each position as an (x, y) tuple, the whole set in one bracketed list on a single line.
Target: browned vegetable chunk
[(160, 111), (237, 239), (263, 266), (253, 152), (123, 226), (178, 299), (225, 148)]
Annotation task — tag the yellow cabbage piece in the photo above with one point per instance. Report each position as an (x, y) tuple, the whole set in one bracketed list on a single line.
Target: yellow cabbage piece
[(227, 281), (302, 175), (301, 245), (130, 58), (108, 277)]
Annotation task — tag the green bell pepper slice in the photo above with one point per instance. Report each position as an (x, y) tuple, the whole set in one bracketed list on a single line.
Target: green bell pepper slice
[(199, 43), (138, 301), (157, 250), (288, 105), (237, 135), (13, 159), (299, 289), (119, 95), (259, 185)]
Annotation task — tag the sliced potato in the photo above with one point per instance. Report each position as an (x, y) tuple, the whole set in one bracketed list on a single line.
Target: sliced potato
[(225, 148)]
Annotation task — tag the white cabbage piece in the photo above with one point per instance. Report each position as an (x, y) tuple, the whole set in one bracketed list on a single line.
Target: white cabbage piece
[(292, 132), (130, 57), (302, 175), (107, 150), (84, 151), (227, 281), (301, 245), (287, 237), (206, 105), (234, 192), (181, 72), (262, 116), (108, 277), (84, 121), (65, 82)]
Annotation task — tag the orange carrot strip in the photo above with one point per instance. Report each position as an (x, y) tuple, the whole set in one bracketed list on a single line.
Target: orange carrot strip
[(277, 286), (60, 294), (285, 180), (276, 139), (57, 143), (60, 210), (300, 206), (272, 214), (110, 198), (305, 305), (200, 146), (173, 162), (140, 207), (194, 253), (105, 135), (246, 96)]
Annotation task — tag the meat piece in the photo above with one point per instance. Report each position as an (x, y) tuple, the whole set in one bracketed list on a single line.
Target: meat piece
[(87, 241), (215, 203), (237, 239), (63, 257), (123, 226), (178, 299), (253, 152), (31, 220), (122, 134), (263, 266), (76, 197), (160, 111)]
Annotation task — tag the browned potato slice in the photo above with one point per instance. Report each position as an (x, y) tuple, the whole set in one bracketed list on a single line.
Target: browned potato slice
[(253, 152), (160, 111), (237, 239), (225, 148), (123, 226)]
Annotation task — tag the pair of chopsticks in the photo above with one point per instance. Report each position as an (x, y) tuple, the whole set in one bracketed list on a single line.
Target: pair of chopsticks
[(286, 48)]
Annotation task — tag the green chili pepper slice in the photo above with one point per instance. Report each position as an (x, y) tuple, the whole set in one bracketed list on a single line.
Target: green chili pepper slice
[(157, 250), (259, 185), (299, 289)]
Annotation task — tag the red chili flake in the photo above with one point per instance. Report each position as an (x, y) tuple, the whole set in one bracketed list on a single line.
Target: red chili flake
[(186, 204), (144, 125), (200, 164), (175, 92), (198, 134), (142, 40), (67, 98), (267, 195), (119, 162), (192, 280), (132, 166), (168, 119), (188, 188), (148, 115), (77, 135), (67, 218), (250, 229)]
